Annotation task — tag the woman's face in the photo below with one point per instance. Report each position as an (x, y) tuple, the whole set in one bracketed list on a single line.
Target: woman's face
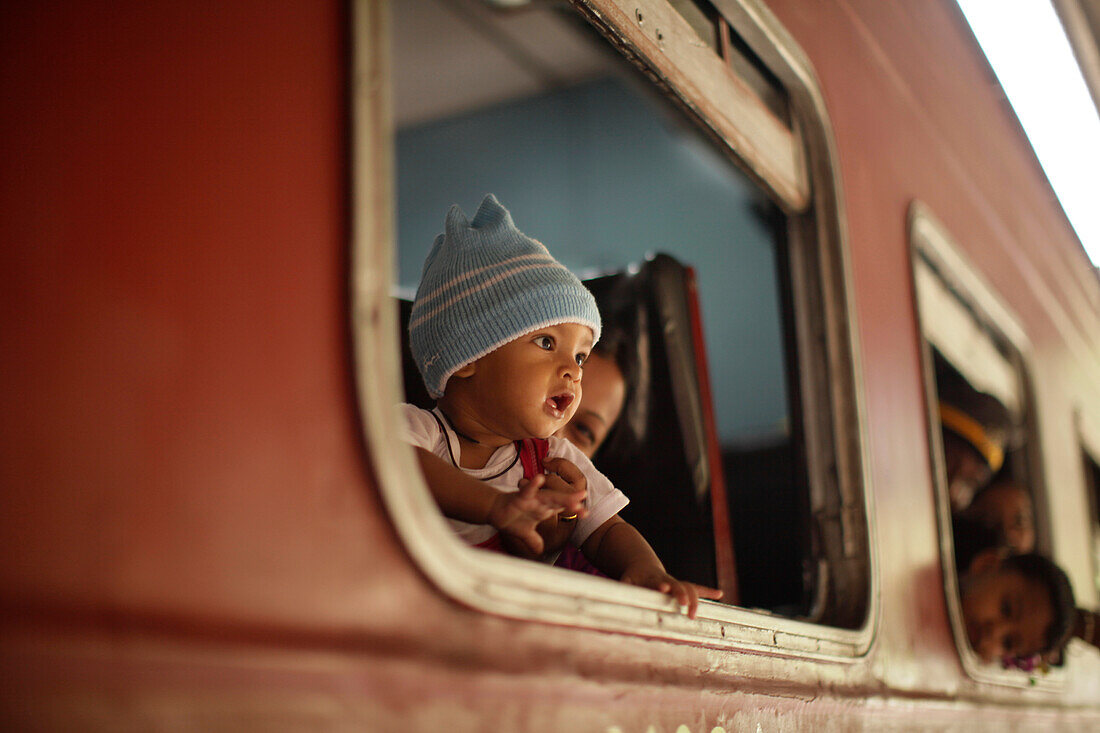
[(601, 403)]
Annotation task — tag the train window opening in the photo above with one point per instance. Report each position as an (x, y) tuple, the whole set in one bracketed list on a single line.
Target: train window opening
[(986, 466), (639, 190), (619, 175)]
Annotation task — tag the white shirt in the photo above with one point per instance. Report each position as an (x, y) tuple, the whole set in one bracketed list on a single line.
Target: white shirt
[(504, 471)]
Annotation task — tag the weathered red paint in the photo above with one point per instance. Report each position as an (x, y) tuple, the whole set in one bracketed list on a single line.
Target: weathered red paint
[(191, 529)]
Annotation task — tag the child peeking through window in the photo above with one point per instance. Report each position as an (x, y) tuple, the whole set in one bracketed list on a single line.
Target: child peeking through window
[(1017, 608), (500, 332)]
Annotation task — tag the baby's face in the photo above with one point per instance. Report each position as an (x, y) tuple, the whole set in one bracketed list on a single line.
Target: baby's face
[(1006, 614), (530, 387)]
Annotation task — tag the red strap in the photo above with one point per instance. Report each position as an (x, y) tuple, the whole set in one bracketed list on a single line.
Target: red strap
[(532, 453)]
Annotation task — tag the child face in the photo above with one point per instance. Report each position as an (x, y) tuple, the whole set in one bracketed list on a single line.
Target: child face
[(1006, 613), (604, 391), (530, 387), (1007, 509)]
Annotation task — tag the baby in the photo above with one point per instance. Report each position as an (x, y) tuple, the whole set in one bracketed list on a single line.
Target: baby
[(500, 331)]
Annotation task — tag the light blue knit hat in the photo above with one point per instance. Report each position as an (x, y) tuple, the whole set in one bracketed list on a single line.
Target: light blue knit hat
[(486, 283)]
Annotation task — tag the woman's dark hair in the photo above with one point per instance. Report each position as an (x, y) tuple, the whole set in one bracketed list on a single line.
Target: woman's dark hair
[(625, 341), (1039, 569), (971, 538)]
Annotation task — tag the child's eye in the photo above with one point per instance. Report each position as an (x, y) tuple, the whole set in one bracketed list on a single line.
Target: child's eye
[(581, 358), (544, 342)]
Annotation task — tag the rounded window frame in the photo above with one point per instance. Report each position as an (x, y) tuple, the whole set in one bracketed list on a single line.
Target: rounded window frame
[(930, 239), (825, 328)]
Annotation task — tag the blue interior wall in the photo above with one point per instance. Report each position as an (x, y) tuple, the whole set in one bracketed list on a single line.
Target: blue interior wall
[(602, 175)]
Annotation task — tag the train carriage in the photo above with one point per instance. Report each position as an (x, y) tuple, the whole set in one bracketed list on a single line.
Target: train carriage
[(213, 217)]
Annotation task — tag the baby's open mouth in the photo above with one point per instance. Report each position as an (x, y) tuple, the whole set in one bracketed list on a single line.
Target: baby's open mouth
[(560, 402)]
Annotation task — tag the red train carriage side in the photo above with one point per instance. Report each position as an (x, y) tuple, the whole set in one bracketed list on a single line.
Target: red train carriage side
[(208, 522)]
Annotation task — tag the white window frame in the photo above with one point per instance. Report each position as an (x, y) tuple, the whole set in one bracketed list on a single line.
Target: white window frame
[(957, 278), (1088, 437), (521, 589)]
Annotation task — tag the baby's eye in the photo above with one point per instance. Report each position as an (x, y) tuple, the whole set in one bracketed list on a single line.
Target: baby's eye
[(544, 342), (581, 358), (1006, 608)]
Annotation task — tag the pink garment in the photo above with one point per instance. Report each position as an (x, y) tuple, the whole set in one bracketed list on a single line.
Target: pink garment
[(573, 559)]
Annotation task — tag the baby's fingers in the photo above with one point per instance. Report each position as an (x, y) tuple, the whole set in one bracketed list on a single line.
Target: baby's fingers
[(568, 471), (547, 491), (680, 592), (693, 593), (687, 596), (567, 501), (570, 505), (533, 541), (711, 594), (529, 488)]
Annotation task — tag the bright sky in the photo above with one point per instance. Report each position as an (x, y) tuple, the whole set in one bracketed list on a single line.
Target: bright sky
[(1027, 48)]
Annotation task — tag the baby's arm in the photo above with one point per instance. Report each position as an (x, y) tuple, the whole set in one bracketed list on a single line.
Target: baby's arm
[(621, 552), (466, 499)]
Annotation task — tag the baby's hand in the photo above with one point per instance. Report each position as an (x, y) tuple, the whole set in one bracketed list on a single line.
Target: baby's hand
[(518, 514), (647, 575), (569, 484)]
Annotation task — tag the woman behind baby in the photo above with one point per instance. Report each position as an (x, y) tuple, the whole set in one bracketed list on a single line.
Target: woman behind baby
[(500, 331), (616, 379)]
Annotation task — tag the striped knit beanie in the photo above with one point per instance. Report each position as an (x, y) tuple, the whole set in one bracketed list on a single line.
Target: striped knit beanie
[(486, 283)]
